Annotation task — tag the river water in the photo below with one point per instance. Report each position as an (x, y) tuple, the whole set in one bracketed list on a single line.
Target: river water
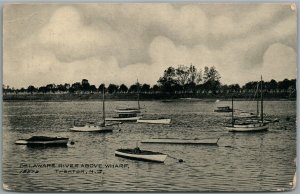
[(241, 162)]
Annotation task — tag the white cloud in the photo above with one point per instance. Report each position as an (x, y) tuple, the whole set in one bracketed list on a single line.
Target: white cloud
[(70, 39), (279, 61), (119, 42)]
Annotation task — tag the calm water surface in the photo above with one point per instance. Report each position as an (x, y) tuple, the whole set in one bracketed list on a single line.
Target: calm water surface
[(241, 162)]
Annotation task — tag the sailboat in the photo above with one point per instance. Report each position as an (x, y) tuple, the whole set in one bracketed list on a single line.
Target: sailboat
[(92, 127), (250, 125), (128, 114)]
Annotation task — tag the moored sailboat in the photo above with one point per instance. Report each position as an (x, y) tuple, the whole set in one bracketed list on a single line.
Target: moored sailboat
[(91, 127), (128, 114), (250, 125)]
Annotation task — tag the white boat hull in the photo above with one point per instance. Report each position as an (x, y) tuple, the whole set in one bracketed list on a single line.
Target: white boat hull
[(213, 141), (248, 128), (123, 119), (127, 111), (155, 121), (91, 128), (152, 158)]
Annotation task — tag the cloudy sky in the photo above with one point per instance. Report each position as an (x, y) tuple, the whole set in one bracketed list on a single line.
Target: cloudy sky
[(118, 43)]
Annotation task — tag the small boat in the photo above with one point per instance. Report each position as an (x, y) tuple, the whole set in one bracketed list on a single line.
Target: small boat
[(142, 155), (128, 110), (155, 121), (251, 125), (128, 114), (207, 141), (42, 141), (223, 109), (129, 118), (246, 115), (92, 127)]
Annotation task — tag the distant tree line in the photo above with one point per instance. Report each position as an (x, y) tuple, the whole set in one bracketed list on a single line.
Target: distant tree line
[(180, 80)]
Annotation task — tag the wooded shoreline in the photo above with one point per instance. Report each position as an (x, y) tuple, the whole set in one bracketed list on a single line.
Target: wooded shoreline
[(144, 96)]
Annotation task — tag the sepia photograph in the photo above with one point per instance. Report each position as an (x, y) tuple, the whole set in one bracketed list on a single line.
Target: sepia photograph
[(149, 97)]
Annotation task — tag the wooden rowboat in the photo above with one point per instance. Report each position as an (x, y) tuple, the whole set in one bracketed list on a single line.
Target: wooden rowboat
[(142, 155)]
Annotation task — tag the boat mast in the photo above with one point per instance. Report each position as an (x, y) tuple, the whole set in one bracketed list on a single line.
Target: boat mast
[(232, 119), (138, 90), (103, 105), (257, 100), (262, 99)]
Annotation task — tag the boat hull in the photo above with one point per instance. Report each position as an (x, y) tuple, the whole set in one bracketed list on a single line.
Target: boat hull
[(127, 111), (132, 119), (92, 128), (182, 141), (44, 143), (155, 121), (149, 158), (222, 110), (247, 128)]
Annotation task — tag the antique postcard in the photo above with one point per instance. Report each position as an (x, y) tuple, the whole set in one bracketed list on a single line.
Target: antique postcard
[(149, 97)]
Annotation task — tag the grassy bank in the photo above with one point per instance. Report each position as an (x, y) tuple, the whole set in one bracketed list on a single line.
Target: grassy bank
[(144, 96)]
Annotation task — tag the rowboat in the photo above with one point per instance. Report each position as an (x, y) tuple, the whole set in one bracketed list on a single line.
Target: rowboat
[(155, 121), (142, 155), (207, 141), (42, 141)]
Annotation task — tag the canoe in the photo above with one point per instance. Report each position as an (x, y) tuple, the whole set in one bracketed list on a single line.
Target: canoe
[(92, 128), (43, 141), (155, 121), (141, 155), (208, 141)]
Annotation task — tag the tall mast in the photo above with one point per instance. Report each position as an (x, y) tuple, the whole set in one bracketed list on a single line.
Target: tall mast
[(103, 105), (138, 90), (257, 100), (232, 119), (262, 101)]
